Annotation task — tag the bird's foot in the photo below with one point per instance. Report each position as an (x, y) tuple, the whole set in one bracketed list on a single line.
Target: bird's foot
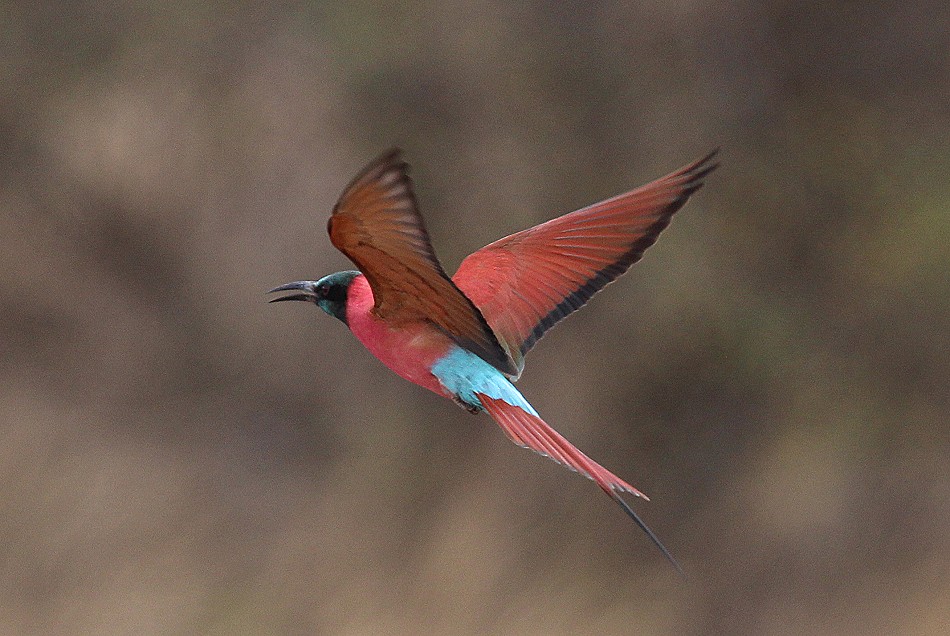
[(474, 409)]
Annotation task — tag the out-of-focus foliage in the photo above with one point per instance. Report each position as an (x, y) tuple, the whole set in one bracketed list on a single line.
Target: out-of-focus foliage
[(180, 457)]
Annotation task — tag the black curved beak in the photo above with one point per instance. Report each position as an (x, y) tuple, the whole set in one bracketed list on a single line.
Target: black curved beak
[(305, 286)]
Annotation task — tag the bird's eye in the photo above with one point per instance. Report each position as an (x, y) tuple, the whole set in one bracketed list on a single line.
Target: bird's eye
[(336, 294), (322, 290)]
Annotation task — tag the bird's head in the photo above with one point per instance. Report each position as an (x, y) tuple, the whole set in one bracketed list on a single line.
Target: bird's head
[(328, 293)]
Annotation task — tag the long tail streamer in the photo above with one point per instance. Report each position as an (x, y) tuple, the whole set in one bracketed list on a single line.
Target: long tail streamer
[(530, 431)]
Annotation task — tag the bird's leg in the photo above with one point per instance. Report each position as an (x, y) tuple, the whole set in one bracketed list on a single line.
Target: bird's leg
[(474, 409)]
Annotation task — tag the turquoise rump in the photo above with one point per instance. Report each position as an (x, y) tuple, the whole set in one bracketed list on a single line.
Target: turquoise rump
[(465, 376)]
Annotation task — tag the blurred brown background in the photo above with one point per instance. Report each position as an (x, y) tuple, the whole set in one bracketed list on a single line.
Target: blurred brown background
[(178, 456)]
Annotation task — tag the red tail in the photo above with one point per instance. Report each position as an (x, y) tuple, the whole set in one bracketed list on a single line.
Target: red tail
[(530, 431)]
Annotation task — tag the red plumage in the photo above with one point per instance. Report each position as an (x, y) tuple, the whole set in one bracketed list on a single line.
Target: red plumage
[(527, 282)]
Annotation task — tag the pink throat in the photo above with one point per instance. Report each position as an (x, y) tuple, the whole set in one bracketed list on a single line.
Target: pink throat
[(409, 349)]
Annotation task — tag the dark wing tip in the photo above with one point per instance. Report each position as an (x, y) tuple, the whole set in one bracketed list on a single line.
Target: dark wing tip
[(704, 160), (389, 160), (693, 177), (712, 153), (688, 180), (699, 170), (391, 157)]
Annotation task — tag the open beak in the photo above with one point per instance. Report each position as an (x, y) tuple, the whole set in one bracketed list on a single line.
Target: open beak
[(305, 286)]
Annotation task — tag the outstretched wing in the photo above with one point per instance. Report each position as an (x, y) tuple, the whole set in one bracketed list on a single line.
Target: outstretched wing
[(526, 283), (376, 223)]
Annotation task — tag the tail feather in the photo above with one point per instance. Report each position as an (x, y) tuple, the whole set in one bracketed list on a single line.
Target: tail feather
[(530, 431)]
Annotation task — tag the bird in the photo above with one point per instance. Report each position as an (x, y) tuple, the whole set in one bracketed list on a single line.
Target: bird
[(465, 337)]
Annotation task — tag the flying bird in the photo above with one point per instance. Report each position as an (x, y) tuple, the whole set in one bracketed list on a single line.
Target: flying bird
[(465, 337)]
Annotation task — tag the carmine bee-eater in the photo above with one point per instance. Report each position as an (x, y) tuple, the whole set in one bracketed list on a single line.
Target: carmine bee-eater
[(465, 337)]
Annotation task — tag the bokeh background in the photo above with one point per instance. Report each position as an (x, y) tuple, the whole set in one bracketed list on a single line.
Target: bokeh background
[(179, 457)]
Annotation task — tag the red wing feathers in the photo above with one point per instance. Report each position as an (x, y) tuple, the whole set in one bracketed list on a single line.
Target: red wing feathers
[(376, 223), (526, 283)]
